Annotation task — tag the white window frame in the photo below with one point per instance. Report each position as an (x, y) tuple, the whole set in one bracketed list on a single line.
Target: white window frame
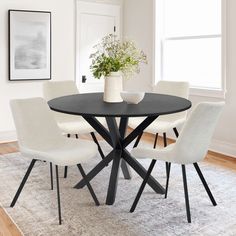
[(158, 52)]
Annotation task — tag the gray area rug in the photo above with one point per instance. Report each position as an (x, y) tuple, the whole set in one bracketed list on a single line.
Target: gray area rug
[(35, 212)]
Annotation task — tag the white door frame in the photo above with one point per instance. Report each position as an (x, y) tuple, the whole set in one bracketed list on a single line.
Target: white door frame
[(77, 30)]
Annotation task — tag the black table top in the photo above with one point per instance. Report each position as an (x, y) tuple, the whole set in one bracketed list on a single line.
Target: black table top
[(92, 104)]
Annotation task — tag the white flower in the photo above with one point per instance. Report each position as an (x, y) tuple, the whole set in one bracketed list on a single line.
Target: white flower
[(112, 55)]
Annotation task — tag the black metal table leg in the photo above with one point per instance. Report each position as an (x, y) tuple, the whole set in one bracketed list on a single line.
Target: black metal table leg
[(99, 128), (111, 192), (138, 130), (102, 164), (153, 183), (125, 169), (88, 185), (98, 145), (116, 138), (116, 143), (122, 129), (140, 191), (138, 140)]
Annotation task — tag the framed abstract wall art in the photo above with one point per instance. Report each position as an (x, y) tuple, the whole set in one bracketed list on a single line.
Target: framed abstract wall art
[(29, 45)]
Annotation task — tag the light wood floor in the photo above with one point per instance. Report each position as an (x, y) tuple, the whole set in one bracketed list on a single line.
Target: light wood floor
[(7, 227)]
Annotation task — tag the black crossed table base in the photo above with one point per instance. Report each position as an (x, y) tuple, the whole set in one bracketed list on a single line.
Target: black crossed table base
[(116, 138), (92, 105)]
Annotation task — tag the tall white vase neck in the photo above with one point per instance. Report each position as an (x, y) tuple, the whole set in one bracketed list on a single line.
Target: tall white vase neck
[(112, 87)]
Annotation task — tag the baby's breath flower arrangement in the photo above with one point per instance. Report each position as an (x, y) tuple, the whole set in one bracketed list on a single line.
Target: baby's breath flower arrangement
[(113, 55)]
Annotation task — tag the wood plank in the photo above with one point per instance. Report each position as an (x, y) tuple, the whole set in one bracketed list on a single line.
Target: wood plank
[(7, 227), (6, 148)]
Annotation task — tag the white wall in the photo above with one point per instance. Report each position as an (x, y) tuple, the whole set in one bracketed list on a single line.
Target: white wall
[(63, 53), (138, 25)]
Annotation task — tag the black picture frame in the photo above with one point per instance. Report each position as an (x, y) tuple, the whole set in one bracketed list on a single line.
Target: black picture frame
[(29, 45)]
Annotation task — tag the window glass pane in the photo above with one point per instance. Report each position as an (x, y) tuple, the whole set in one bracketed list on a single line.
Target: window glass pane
[(192, 17), (195, 60)]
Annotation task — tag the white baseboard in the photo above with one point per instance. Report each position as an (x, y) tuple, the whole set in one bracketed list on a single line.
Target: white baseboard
[(225, 148), (7, 136)]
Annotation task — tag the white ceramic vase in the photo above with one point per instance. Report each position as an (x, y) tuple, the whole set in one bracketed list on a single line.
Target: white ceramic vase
[(112, 88)]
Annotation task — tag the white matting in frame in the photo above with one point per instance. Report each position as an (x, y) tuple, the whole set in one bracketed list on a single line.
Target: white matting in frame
[(29, 45)]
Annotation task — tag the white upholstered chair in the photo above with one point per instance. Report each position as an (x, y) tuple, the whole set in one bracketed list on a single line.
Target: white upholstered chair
[(164, 124), (40, 138), (69, 124), (190, 148)]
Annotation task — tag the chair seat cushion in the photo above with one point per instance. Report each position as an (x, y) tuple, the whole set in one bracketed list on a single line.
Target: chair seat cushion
[(71, 124), (160, 125), (168, 154), (165, 154), (66, 152)]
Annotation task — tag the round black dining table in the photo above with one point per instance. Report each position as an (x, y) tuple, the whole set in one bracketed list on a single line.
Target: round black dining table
[(91, 105)]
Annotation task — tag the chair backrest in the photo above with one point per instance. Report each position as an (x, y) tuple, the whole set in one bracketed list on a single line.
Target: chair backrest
[(35, 124), (194, 140), (53, 89), (175, 88)]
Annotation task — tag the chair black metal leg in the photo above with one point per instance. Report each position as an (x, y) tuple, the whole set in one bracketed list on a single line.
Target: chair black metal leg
[(168, 165), (99, 147), (176, 132), (76, 136), (58, 196), (167, 169), (167, 179), (165, 144), (88, 185), (186, 194), (137, 140), (164, 139), (65, 171), (155, 142), (142, 186), (51, 175), (23, 183), (205, 184)]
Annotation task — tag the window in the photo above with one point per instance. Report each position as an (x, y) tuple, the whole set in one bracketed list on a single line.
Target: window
[(189, 44)]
